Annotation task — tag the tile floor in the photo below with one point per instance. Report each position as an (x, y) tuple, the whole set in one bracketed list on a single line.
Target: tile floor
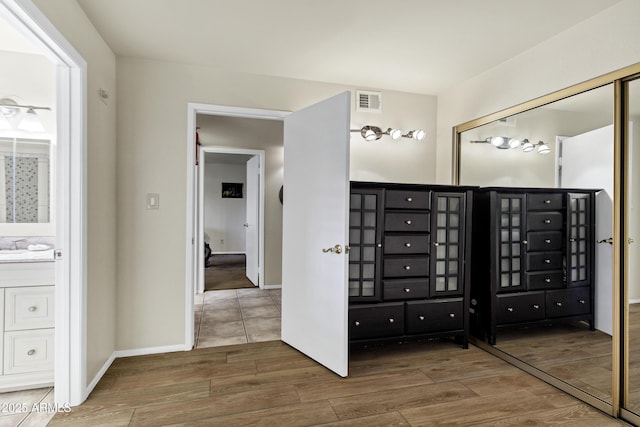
[(28, 408), (237, 316)]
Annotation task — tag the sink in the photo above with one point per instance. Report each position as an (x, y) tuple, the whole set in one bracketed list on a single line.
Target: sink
[(13, 251)]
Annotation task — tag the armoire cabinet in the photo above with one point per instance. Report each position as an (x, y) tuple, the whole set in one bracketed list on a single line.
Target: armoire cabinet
[(533, 258), (408, 275)]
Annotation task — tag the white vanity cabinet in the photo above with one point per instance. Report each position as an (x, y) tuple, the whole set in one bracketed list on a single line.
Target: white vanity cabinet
[(27, 325)]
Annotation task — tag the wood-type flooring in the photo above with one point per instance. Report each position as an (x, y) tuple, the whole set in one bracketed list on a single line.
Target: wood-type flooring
[(271, 384), (226, 271)]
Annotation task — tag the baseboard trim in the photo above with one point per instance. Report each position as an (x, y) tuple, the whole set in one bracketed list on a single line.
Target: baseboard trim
[(228, 253), (99, 375), (151, 350), (272, 286), (634, 301)]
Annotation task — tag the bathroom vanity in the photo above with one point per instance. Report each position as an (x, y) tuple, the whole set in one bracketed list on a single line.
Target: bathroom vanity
[(26, 320)]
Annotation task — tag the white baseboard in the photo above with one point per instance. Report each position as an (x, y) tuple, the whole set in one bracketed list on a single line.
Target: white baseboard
[(634, 301), (151, 350), (228, 253), (99, 375), (272, 286)]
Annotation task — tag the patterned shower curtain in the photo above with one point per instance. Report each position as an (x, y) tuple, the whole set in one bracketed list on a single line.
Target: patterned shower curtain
[(21, 180)]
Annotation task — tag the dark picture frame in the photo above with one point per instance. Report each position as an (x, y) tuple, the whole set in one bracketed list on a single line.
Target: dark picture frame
[(232, 190)]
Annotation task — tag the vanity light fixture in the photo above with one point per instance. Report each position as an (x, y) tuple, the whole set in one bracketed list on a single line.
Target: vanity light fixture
[(30, 121), (505, 142), (527, 146), (374, 133), (543, 148)]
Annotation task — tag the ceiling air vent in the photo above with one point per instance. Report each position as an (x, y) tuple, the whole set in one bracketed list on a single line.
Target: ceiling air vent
[(368, 102)]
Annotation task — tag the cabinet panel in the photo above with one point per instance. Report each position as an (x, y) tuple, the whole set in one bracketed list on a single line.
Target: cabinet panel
[(29, 308), (544, 201), (28, 351), (406, 221), (509, 222), (407, 199), (545, 280), (376, 321), (434, 315), (544, 221), (405, 289), (406, 266), (544, 261), (544, 241), (568, 302), (521, 307), (406, 244), (448, 231), (580, 230)]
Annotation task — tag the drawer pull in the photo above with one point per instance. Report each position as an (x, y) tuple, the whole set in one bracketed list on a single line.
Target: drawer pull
[(559, 304), (391, 320), (31, 352), (32, 308), (581, 301), (356, 323), (407, 267), (536, 306), (547, 241), (407, 290), (547, 202), (547, 280), (452, 315), (572, 239), (379, 245), (547, 221), (510, 309), (524, 242), (408, 222), (436, 244), (547, 261), (421, 317), (408, 245), (409, 199)]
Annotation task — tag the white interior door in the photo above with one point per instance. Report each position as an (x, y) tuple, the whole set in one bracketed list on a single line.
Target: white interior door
[(587, 162), (251, 225), (315, 219)]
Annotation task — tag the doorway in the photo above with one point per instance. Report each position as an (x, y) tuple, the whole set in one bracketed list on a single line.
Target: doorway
[(70, 380)]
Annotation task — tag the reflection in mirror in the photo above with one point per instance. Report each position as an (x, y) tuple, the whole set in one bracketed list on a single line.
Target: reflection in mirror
[(632, 398), (567, 144), (24, 180)]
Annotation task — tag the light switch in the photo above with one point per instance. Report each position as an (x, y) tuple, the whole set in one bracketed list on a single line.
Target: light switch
[(153, 201)]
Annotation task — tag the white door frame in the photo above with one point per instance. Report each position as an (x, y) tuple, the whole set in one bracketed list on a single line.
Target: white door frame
[(70, 290), (200, 224), (192, 252)]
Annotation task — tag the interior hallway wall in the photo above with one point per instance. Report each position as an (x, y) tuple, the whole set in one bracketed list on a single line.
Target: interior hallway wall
[(74, 25)]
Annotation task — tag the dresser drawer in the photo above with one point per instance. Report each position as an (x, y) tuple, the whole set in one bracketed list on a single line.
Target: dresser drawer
[(401, 199), (434, 315), (29, 308), (568, 302), (544, 241), (405, 289), (545, 280), (406, 221), (417, 266), (544, 202), (544, 221), (28, 351), (544, 261), (408, 244), (376, 321), (521, 307)]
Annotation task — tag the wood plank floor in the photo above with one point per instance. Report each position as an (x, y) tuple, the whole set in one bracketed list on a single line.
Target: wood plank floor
[(271, 384)]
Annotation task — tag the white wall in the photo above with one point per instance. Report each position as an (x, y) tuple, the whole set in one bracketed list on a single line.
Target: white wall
[(152, 130), (224, 217), (601, 44), (71, 21)]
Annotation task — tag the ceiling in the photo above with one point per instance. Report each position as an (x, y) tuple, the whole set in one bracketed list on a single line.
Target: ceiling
[(419, 46)]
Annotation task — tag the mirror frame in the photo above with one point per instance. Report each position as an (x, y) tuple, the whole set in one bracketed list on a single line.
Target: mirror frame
[(619, 350)]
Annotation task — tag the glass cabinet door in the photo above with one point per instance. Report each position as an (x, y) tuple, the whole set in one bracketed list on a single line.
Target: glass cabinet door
[(365, 216), (510, 212), (447, 251), (578, 226)]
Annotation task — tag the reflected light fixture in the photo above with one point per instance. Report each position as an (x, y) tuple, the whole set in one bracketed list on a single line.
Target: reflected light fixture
[(374, 133), (505, 142), (30, 121), (527, 146), (543, 148)]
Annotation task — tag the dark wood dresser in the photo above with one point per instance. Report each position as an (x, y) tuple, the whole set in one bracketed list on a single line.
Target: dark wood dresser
[(533, 258), (408, 269)]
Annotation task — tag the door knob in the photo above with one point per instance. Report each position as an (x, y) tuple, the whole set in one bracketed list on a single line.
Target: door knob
[(337, 249), (245, 225), (609, 241)]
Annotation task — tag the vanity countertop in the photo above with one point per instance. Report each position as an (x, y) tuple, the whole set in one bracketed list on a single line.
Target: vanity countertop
[(24, 255)]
